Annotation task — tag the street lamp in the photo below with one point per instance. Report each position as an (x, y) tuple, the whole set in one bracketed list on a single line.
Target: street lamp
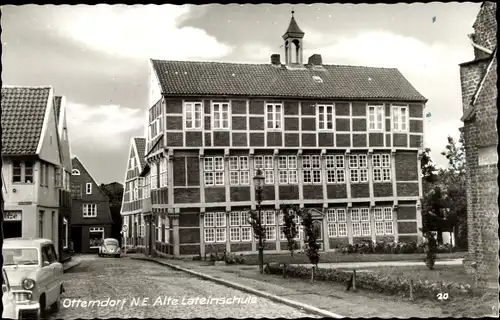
[(259, 186)]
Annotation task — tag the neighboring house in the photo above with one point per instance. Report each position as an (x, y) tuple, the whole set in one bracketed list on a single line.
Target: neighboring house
[(34, 170), (479, 98), (65, 192), (343, 140), (90, 214), (132, 205)]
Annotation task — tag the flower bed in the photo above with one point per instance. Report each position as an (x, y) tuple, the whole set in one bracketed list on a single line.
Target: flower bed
[(391, 247), (399, 285)]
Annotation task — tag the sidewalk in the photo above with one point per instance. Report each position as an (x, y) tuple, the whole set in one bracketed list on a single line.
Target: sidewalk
[(382, 264), (328, 297), (73, 262)]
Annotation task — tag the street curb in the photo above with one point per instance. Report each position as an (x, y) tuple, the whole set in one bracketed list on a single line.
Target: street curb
[(71, 267), (291, 303)]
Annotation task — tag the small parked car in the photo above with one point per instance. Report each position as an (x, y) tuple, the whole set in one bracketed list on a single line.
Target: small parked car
[(10, 308), (34, 272), (110, 247)]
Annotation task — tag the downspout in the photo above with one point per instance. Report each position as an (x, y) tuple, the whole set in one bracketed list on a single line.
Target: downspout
[(477, 46)]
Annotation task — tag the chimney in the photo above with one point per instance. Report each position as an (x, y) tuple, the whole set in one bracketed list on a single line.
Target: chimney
[(275, 59), (315, 60)]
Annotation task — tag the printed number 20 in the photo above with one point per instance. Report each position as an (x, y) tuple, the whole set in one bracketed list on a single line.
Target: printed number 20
[(442, 296)]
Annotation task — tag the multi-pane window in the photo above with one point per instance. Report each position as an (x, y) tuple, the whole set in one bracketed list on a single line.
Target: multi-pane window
[(213, 168), (337, 225), (400, 119), (154, 176), (265, 163), (147, 192), (238, 171), (22, 172), (192, 115), (325, 117), (287, 166), (155, 122), (274, 115), (215, 227), (269, 223), (360, 222), (163, 172), (383, 221), (239, 227), (375, 118), (298, 226), (335, 169), (311, 169), (89, 210), (358, 168), (220, 115), (381, 167)]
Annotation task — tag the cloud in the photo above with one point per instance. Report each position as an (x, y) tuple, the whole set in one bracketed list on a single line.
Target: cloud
[(140, 32), (102, 126)]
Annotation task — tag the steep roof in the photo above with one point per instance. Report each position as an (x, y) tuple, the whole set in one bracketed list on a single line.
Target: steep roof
[(23, 113), (179, 78), (140, 144)]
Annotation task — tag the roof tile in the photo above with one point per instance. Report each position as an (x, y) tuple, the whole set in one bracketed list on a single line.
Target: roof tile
[(23, 113), (179, 78)]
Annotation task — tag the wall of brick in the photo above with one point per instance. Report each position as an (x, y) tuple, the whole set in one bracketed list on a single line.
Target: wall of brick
[(406, 166), (485, 27)]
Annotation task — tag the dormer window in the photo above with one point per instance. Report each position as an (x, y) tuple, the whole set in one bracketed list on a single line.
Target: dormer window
[(75, 172)]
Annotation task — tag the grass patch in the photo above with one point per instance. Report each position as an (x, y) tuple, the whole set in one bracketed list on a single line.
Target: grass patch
[(446, 273), (336, 257)]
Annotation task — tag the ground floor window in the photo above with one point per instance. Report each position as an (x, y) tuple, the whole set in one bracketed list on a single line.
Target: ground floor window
[(215, 227), (337, 224), (239, 226), (65, 234), (383, 221), (13, 225), (96, 236)]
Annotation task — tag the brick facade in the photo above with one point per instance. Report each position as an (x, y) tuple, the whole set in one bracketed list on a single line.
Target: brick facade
[(479, 95)]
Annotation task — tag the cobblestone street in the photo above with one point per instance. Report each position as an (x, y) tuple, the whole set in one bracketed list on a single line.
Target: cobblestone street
[(151, 285)]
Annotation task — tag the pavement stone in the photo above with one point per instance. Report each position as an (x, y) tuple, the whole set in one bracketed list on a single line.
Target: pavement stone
[(100, 279)]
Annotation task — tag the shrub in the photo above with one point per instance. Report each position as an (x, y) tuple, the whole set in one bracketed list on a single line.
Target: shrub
[(430, 249)]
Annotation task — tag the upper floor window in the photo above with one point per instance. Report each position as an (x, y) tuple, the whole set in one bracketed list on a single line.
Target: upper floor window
[(155, 120), (400, 118), (311, 169), (192, 115), (75, 172), (154, 176), (358, 166), (375, 118), (58, 177), (89, 210), (22, 171), (88, 188), (213, 168), (132, 163), (325, 117), (381, 167), (335, 169), (274, 115), (287, 166), (163, 172), (220, 114), (265, 163), (238, 171)]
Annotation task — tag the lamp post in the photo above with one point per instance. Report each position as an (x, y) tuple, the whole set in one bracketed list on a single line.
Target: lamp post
[(259, 186)]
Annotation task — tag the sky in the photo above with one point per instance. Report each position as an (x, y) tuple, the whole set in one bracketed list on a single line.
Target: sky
[(97, 57)]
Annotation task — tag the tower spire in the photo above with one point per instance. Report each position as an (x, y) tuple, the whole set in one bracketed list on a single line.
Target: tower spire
[(293, 38)]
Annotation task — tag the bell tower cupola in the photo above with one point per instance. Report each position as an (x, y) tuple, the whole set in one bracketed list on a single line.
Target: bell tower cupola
[(293, 38)]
